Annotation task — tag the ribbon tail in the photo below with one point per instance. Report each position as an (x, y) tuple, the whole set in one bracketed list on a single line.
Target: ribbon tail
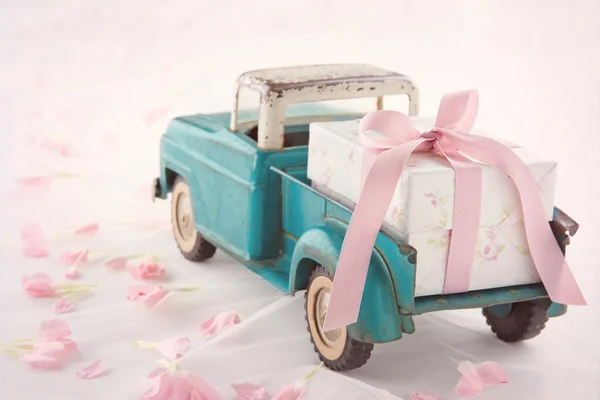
[(549, 260), (367, 218), (465, 225)]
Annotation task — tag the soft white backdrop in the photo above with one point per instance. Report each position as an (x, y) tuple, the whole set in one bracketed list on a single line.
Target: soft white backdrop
[(107, 76)]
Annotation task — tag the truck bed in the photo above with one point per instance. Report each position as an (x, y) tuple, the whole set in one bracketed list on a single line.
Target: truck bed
[(305, 207)]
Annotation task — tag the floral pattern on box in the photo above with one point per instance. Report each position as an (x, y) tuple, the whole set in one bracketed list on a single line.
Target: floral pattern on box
[(421, 210)]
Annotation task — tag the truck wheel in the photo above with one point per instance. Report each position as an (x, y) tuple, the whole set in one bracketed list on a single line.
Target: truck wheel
[(336, 349), (191, 244), (524, 320)]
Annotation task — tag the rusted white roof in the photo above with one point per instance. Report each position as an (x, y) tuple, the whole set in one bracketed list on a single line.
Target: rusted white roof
[(281, 79)]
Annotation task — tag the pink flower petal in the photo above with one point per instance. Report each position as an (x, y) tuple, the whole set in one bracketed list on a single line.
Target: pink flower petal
[(157, 385), (173, 348), (69, 344), (54, 329), (147, 295), (467, 388), (171, 385), (138, 292), (87, 229), (41, 362), (52, 349), (74, 258), (423, 396), (491, 373), (117, 264), (147, 270), (72, 273), (62, 148), (39, 182), (469, 384), (34, 242), (290, 393), (249, 391), (155, 297), (93, 370), (46, 355), (157, 372), (63, 306), (38, 285), (200, 388), (218, 323)]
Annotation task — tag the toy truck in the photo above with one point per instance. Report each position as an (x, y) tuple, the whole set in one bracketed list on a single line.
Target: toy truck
[(238, 182)]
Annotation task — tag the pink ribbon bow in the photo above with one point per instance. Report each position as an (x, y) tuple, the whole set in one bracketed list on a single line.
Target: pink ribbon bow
[(450, 138)]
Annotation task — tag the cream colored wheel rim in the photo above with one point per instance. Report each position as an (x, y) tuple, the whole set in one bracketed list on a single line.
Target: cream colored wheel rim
[(183, 217), (330, 344)]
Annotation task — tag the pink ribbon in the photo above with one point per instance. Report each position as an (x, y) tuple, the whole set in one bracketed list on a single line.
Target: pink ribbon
[(450, 138)]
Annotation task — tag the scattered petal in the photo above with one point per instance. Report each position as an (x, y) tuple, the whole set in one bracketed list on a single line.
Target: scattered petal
[(41, 362), (117, 264), (34, 242), (218, 323), (491, 374), (249, 391), (171, 385), (147, 270), (155, 297), (87, 230), (93, 370), (72, 273), (138, 292), (147, 295), (70, 259), (63, 306), (62, 148), (39, 182), (157, 372), (54, 329), (423, 396), (173, 348), (469, 384), (38, 285), (46, 355), (69, 344), (467, 388), (290, 392)]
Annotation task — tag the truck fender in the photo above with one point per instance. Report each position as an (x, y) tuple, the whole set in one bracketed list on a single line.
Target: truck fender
[(379, 318)]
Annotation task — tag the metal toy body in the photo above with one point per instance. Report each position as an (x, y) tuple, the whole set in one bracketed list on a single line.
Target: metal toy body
[(239, 184)]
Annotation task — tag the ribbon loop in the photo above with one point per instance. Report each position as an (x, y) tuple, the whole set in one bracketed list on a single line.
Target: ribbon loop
[(397, 140)]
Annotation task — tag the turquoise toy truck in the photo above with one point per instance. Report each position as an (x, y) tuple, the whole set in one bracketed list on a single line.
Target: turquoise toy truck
[(238, 183)]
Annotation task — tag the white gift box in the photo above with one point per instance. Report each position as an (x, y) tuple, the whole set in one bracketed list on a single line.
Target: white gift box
[(421, 210)]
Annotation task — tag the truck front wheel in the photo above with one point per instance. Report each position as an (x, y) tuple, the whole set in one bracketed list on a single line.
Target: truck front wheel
[(191, 244), (336, 349)]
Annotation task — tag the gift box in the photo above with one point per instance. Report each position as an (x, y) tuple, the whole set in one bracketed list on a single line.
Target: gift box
[(420, 212)]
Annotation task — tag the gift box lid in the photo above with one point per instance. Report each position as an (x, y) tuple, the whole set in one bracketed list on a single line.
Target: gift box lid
[(424, 197)]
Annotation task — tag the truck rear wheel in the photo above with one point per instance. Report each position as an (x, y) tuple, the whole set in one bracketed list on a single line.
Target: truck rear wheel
[(520, 321), (336, 349), (191, 244)]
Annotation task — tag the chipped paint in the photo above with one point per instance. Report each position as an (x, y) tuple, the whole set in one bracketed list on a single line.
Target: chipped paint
[(281, 87)]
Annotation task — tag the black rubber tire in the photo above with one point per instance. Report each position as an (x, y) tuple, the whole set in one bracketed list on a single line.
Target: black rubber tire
[(355, 353), (525, 321), (202, 249)]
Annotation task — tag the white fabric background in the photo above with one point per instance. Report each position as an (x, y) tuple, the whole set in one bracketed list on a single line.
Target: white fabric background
[(82, 70)]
